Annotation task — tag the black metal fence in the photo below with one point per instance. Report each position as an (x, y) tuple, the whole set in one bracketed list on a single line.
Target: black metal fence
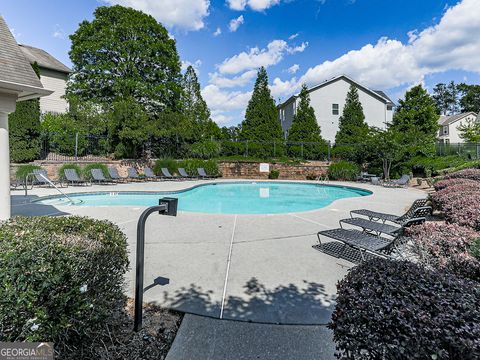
[(89, 147)]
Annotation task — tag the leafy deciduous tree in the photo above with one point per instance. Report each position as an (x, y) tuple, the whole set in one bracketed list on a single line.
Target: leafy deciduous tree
[(125, 53), (470, 97), (470, 132), (417, 120)]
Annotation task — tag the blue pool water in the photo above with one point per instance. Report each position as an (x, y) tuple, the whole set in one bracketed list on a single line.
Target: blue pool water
[(227, 198)]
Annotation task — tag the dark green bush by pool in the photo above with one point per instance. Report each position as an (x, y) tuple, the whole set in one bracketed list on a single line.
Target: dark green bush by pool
[(61, 279), (343, 170)]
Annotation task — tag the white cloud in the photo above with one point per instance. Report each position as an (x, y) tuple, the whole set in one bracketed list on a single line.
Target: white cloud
[(237, 4), (293, 69), (452, 44), (299, 48), (58, 33), (256, 5), (237, 81), (217, 32), (225, 106), (254, 58), (293, 36), (235, 23), (281, 88), (182, 14), (196, 65)]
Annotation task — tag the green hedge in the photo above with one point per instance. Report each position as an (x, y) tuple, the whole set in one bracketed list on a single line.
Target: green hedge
[(61, 279), (87, 174), (76, 167), (24, 170), (170, 164), (343, 170), (191, 166), (427, 166)]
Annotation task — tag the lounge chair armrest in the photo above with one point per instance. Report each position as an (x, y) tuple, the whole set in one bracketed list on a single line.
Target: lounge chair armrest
[(414, 221), (423, 209)]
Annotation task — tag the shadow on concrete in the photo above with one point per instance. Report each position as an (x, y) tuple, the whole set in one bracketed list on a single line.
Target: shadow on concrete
[(159, 281), (290, 304), (24, 206)]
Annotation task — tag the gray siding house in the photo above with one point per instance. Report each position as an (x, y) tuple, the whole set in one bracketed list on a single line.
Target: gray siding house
[(328, 100), (53, 76)]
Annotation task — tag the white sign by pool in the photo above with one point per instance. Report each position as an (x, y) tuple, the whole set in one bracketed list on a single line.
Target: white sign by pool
[(264, 167)]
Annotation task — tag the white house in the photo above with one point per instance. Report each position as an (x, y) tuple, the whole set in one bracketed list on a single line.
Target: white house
[(328, 100), (53, 76), (448, 133)]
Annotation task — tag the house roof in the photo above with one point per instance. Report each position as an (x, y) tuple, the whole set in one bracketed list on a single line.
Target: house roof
[(43, 59), (380, 95), (14, 67), (450, 119)]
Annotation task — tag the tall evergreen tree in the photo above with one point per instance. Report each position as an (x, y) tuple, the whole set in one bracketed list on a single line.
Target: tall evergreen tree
[(352, 128), (453, 93), (417, 120), (24, 134), (305, 129), (261, 118), (195, 107), (442, 98)]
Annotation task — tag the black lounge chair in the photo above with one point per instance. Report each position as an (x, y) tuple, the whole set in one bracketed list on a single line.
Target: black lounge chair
[(99, 178), (360, 241), (150, 175), (41, 178), (378, 228), (115, 176), (132, 174), (72, 177), (402, 182), (203, 174), (418, 209), (183, 173), (166, 174)]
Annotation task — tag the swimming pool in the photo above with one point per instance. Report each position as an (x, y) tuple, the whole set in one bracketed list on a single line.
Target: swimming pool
[(226, 198)]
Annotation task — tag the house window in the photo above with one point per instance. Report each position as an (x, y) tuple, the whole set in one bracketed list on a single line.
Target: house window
[(445, 130), (447, 141), (334, 109)]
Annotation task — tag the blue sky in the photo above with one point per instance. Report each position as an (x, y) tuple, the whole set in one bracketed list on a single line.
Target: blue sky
[(387, 45)]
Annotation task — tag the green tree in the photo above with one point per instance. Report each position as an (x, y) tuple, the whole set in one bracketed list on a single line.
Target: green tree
[(195, 108), (470, 132), (124, 53), (386, 147), (442, 98), (261, 118), (470, 98), (130, 129), (305, 129), (416, 119), (352, 129), (24, 132)]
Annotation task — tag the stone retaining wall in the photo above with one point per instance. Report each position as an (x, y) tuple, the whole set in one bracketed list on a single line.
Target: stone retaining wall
[(251, 170), (229, 170)]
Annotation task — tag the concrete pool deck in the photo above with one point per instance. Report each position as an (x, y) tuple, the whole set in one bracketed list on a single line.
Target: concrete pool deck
[(258, 268)]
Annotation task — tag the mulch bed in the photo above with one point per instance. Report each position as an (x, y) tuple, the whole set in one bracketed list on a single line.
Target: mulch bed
[(119, 341)]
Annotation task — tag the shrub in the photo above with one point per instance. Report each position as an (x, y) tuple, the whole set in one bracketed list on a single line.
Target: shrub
[(205, 149), (343, 170), (464, 210), (170, 164), (400, 310), (191, 165), (61, 277), (87, 174), (446, 247), (454, 190), (422, 164), (472, 174), (61, 174), (273, 174), (442, 184), (24, 170)]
